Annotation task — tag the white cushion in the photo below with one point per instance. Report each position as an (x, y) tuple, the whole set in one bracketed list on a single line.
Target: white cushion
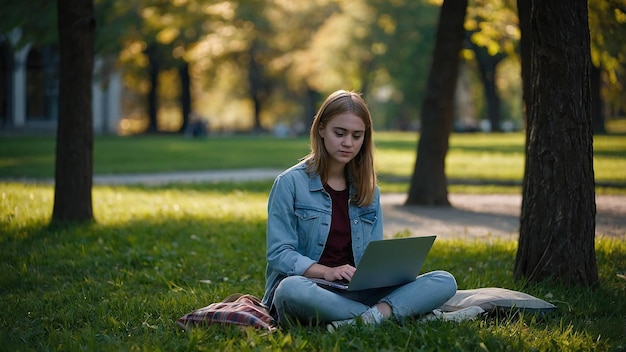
[(490, 298)]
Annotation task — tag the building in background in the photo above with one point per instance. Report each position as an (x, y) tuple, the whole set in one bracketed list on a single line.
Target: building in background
[(29, 93)]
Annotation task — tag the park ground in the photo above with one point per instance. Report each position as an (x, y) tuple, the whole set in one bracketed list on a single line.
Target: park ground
[(486, 215), (470, 216)]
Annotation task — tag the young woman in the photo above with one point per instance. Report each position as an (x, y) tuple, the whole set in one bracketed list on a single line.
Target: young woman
[(322, 213)]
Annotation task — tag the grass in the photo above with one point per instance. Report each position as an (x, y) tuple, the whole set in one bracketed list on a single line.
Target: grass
[(157, 253), (34, 156), (476, 162)]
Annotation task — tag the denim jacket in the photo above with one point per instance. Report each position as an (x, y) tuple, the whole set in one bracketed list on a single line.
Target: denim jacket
[(298, 223)]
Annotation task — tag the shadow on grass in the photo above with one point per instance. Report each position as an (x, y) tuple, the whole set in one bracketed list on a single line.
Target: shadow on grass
[(458, 221), (123, 286)]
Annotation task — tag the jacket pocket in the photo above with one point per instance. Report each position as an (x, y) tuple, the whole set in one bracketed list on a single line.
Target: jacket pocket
[(307, 227), (368, 219)]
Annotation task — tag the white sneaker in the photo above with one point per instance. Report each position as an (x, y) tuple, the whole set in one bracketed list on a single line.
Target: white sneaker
[(434, 315), (371, 316), (469, 313), (334, 325)]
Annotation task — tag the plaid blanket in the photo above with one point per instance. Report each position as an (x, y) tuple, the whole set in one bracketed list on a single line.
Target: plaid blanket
[(236, 309)]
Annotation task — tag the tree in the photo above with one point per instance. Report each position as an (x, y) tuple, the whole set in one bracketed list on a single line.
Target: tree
[(74, 150), (493, 36), (34, 20), (169, 28), (523, 10), (557, 223), (260, 82), (607, 19), (487, 64), (400, 37), (428, 183), (152, 52), (157, 38)]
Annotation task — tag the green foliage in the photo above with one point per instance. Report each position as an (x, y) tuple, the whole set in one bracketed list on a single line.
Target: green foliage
[(402, 39), (24, 22), (158, 253), (493, 24), (380, 47), (607, 25)]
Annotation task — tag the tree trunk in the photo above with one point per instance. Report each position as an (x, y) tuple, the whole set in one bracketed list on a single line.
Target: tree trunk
[(487, 68), (5, 83), (185, 94), (597, 106), (310, 106), (74, 149), (255, 80), (557, 223), (523, 12), (429, 184), (153, 107)]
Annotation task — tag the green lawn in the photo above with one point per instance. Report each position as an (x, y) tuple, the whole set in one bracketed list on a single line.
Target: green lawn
[(489, 159), (156, 253)]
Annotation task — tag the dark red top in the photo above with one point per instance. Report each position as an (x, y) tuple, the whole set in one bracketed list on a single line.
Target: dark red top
[(338, 249)]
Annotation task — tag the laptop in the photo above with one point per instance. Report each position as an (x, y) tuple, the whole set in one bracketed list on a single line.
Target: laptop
[(386, 263)]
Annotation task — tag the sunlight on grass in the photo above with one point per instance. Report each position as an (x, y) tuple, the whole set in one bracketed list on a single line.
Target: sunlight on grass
[(494, 166), (115, 206), (487, 159), (616, 125), (489, 156), (28, 203), (471, 156), (392, 163), (609, 169)]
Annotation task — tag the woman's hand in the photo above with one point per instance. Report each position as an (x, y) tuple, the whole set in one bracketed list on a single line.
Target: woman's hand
[(343, 272)]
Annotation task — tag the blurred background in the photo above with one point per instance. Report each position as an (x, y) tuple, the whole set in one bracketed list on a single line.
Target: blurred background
[(264, 66)]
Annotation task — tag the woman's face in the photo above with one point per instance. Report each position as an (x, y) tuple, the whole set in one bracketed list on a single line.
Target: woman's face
[(343, 137)]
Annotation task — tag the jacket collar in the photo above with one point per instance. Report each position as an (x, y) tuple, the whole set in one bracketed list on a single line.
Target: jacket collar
[(315, 184)]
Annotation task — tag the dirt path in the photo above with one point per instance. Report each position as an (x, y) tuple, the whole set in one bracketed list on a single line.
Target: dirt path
[(484, 216), (471, 216)]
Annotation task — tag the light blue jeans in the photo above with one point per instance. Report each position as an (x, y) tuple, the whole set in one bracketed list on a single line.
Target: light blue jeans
[(299, 300)]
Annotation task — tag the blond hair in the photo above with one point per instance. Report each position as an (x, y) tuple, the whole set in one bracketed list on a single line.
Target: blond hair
[(361, 168)]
